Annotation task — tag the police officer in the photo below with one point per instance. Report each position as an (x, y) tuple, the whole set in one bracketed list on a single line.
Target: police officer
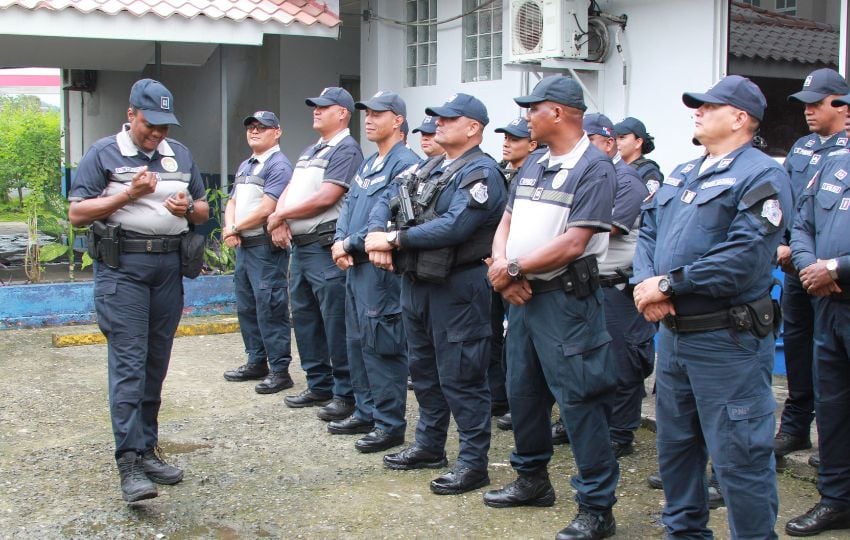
[(633, 142), (445, 298), (631, 335), (808, 155), (306, 216), (820, 247), (374, 332), (703, 266), (262, 301), (147, 189), (545, 256), (427, 130), (516, 147)]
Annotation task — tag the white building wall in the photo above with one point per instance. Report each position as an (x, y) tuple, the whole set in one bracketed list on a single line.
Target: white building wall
[(670, 46)]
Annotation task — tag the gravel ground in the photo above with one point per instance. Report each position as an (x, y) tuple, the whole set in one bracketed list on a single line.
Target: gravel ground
[(255, 468)]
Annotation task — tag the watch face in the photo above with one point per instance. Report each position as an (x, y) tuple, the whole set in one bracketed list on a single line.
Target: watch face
[(664, 286)]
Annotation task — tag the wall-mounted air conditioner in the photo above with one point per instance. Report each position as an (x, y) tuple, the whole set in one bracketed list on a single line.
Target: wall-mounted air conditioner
[(548, 29)]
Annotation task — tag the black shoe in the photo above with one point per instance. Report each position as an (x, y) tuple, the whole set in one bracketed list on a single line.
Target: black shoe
[(306, 399), (350, 426), (559, 433), (247, 372), (499, 408), (337, 409), (274, 383), (785, 443), (158, 470), (378, 440), (526, 490), (818, 519), (622, 449), (135, 485), (415, 457), (587, 526), (505, 423), (654, 480), (814, 461), (459, 480), (715, 497)]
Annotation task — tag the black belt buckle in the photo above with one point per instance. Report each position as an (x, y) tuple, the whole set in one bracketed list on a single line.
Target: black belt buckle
[(148, 246)]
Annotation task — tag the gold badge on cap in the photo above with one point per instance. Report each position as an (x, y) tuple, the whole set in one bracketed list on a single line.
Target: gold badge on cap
[(169, 164)]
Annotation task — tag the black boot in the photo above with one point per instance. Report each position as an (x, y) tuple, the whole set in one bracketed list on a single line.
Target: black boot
[(158, 470), (526, 490), (588, 526), (135, 485)]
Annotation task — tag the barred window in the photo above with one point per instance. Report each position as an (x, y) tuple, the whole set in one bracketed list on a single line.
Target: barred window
[(482, 41), (421, 62)]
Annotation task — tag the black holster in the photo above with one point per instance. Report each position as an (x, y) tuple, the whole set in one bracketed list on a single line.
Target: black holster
[(765, 315), (104, 243), (191, 254), (435, 265)]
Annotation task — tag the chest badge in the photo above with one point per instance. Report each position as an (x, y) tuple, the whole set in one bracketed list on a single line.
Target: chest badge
[(841, 141), (841, 174), (537, 194), (815, 159), (810, 143), (688, 196), (560, 178), (845, 203), (169, 164), (687, 168)]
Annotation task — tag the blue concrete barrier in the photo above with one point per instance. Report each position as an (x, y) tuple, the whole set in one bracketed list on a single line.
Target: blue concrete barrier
[(53, 304)]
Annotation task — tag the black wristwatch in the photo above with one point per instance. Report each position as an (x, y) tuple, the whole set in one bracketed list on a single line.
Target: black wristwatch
[(190, 207), (665, 286), (514, 271)]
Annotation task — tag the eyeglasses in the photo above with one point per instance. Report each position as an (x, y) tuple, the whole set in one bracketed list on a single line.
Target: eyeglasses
[(259, 128)]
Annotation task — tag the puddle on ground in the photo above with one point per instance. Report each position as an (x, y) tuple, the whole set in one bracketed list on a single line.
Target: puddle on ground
[(183, 448)]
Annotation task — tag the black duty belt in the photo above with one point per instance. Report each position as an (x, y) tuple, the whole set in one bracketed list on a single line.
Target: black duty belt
[(359, 257), (154, 244), (559, 283), (324, 234), (843, 296), (253, 241), (707, 322), (611, 281)]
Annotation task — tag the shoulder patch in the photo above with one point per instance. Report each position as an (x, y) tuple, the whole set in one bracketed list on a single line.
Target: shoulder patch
[(478, 192), (652, 186), (772, 211)]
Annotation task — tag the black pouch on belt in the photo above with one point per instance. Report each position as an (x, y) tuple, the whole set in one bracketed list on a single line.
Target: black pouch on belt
[(191, 254), (584, 274), (326, 232), (762, 313)]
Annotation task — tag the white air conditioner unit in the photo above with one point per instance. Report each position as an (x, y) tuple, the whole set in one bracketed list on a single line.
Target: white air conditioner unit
[(548, 29)]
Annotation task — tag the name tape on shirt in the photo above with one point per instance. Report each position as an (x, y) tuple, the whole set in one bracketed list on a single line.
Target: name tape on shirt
[(826, 186), (719, 182), (802, 151), (527, 181), (675, 182), (122, 170), (839, 152)]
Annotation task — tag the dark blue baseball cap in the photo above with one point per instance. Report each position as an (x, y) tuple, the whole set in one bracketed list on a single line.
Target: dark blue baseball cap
[(266, 118), (598, 124), (557, 88), (405, 127), (819, 84), (734, 90), (843, 100), (517, 128), (384, 101), (461, 105), (632, 125), (428, 126), (333, 95), (155, 101)]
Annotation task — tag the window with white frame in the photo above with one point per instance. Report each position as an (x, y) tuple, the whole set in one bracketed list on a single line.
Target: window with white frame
[(421, 61), (756, 3), (789, 7), (482, 40)]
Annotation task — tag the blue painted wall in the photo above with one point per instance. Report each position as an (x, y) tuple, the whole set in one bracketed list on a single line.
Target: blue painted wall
[(30, 306)]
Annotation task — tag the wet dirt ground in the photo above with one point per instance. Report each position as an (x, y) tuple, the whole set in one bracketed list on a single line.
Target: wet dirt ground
[(255, 468)]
